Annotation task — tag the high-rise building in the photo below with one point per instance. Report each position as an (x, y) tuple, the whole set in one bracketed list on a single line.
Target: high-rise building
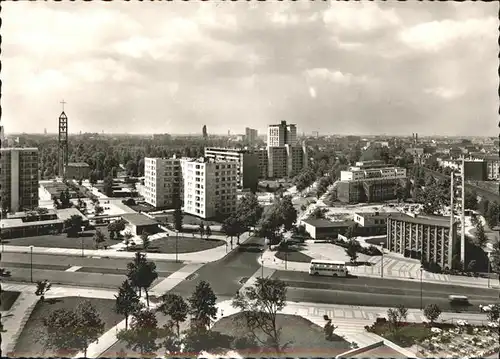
[(281, 135), (285, 157), (2, 137), (248, 164), (19, 178), (209, 187), (251, 135), (162, 181), (204, 131)]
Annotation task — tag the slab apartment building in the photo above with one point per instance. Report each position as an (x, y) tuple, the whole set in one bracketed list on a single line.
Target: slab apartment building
[(19, 178), (206, 187)]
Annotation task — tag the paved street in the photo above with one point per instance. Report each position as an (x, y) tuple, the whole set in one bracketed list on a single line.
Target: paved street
[(378, 292)]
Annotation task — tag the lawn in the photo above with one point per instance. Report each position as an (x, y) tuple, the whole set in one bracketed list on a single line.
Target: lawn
[(27, 344), (304, 337), (7, 299), (407, 335), (293, 255), (184, 245), (186, 219), (63, 241)]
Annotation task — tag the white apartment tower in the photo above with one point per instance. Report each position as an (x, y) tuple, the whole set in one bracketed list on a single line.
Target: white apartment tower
[(209, 187), (162, 181), (19, 178)]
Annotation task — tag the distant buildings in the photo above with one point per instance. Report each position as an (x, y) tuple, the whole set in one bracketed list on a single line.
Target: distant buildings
[(248, 164), (370, 181), (423, 237), (209, 187), (475, 170), (285, 158), (77, 170), (19, 178), (250, 135)]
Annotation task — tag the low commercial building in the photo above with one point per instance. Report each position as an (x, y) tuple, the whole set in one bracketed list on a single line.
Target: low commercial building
[(77, 170), (28, 224), (371, 223), (428, 238), (323, 228), (139, 223)]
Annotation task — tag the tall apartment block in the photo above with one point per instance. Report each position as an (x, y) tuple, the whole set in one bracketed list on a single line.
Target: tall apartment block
[(247, 160), (250, 135), (162, 181), (209, 187), (19, 178), (285, 157)]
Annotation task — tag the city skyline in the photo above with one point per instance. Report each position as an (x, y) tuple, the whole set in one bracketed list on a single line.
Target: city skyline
[(393, 68)]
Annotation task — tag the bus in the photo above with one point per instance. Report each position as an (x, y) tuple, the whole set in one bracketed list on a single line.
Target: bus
[(458, 300), (328, 268)]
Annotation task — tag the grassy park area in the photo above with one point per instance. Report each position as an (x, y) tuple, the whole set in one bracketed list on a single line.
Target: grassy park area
[(28, 345), (292, 255), (184, 245)]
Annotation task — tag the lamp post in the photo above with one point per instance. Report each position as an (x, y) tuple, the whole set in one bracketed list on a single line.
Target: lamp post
[(82, 248), (31, 263), (382, 262), (489, 265), (176, 246), (421, 298)]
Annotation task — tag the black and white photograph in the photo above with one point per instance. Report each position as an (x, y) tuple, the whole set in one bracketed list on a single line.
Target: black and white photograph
[(233, 179)]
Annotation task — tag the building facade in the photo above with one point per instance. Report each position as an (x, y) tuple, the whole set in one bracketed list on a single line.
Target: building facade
[(248, 164), (19, 178), (209, 187), (251, 135), (427, 238), (369, 190), (281, 135), (77, 170), (162, 181), (475, 170)]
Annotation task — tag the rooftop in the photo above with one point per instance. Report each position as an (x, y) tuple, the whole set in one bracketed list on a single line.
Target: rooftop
[(374, 215), (138, 219), (78, 164), (18, 223), (325, 223), (442, 221), (66, 213)]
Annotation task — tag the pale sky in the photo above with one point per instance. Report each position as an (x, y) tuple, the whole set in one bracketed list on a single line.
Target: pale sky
[(171, 67)]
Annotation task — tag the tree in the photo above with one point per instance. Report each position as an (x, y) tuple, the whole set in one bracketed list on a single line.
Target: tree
[(127, 301), (392, 317), (494, 313), (350, 231), (495, 259), (198, 338), (232, 227), (202, 305), (492, 214), (260, 305), (72, 330), (142, 334), (208, 231), (128, 236), (432, 312), (318, 213), (73, 225), (287, 212), (146, 242), (471, 200), (201, 229), (481, 238), (400, 192), (142, 273), (352, 250), (170, 340), (98, 210), (249, 210), (42, 287), (175, 307), (108, 186), (91, 326), (98, 238)]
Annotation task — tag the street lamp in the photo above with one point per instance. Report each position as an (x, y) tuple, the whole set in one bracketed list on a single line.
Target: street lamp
[(489, 254), (31, 263), (176, 246), (421, 299), (382, 262), (82, 248)]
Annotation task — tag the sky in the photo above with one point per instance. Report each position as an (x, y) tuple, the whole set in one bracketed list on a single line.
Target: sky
[(171, 67)]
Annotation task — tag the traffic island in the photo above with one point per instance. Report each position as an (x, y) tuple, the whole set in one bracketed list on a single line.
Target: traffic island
[(29, 344), (170, 245), (292, 255), (299, 336)]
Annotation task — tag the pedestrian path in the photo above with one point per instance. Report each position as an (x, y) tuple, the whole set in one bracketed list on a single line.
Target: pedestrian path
[(263, 272), (271, 261), (14, 320), (174, 279)]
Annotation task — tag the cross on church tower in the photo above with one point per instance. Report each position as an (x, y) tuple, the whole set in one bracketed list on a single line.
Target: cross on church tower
[(63, 103)]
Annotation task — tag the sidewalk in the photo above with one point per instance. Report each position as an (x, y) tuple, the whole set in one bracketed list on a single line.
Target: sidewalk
[(271, 261), (206, 256)]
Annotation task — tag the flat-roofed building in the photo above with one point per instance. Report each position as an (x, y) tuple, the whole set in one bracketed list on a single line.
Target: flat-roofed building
[(19, 178), (77, 170), (138, 223), (427, 238), (209, 187), (251, 135), (248, 164), (323, 228), (162, 181), (369, 190), (263, 161), (371, 223)]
